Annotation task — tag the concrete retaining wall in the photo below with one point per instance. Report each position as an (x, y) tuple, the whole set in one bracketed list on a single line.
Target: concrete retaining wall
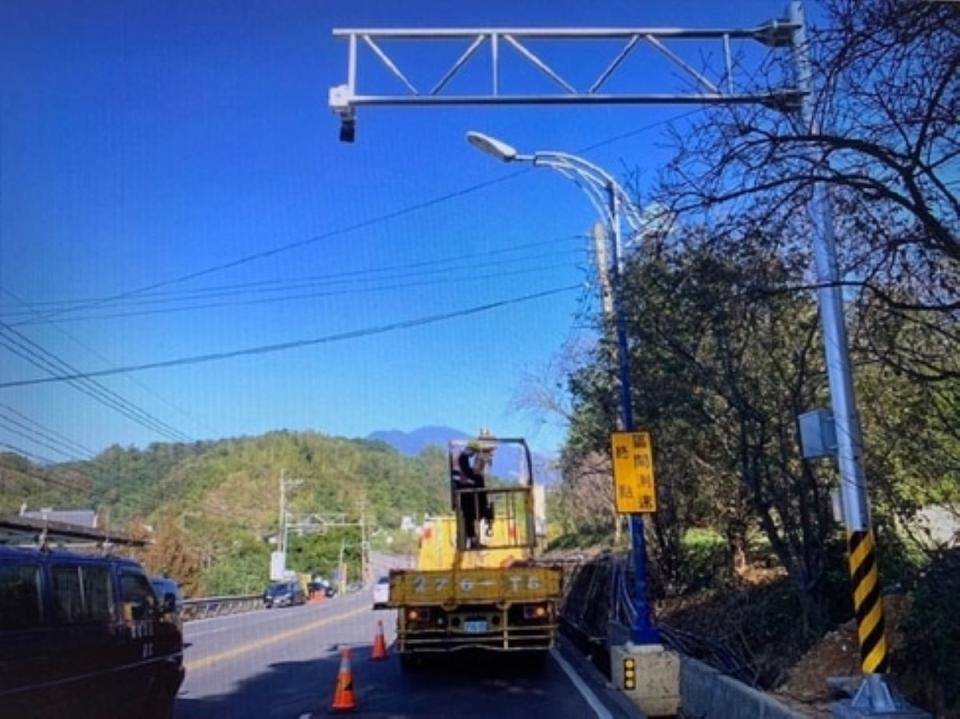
[(705, 693)]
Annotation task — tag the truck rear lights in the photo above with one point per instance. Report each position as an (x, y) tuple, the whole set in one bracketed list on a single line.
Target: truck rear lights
[(535, 611), (418, 615)]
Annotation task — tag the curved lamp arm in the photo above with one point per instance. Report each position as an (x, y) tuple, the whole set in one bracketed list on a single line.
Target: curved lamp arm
[(598, 177)]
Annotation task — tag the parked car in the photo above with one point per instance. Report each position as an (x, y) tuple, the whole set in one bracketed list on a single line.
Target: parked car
[(322, 588), (84, 636), (169, 594), (381, 593), (284, 594)]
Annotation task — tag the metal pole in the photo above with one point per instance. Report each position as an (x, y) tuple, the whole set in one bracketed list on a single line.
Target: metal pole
[(853, 484), (363, 544), (642, 631), (283, 514), (600, 242)]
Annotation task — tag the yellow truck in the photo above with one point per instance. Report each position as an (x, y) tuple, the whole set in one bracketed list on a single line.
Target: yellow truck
[(477, 582)]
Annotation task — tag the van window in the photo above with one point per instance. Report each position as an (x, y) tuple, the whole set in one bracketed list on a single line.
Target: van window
[(67, 595), (98, 594), (83, 594), (21, 603), (136, 590)]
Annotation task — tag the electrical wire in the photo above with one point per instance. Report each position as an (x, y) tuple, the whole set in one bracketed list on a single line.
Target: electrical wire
[(101, 357), (283, 346), (43, 359), (333, 278), (312, 295), (8, 424), (36, 477), (49, 430), (362, 224)]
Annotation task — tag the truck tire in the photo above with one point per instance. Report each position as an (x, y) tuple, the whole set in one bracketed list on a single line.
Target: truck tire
[(411, 663)]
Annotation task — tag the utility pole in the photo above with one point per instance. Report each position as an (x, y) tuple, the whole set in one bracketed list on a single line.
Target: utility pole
[(278, 562), (363, 544), (600, 240), (282, 524)]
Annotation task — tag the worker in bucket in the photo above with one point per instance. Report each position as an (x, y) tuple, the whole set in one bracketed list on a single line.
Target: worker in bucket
[(472, 462)]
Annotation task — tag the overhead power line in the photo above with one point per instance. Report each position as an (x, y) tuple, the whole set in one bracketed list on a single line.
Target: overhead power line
[(462, 262), (36, 477), (21, 345), (101, 357), (37, 437), (312, 295), (49, 430), (353, 227), (282, 346)]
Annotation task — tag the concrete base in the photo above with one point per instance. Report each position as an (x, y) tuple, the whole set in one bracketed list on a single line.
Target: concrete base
[(656, 677), (876, 696)]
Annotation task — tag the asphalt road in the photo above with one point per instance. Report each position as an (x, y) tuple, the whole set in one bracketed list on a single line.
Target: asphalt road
[(283, 664)]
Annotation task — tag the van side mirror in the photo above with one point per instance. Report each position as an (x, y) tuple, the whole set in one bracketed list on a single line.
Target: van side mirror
[(169, 604), (134, 611)]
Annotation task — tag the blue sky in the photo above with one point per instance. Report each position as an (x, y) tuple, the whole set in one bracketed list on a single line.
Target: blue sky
[(142, 141)]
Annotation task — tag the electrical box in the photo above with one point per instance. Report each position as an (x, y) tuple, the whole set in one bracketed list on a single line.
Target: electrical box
[(818, 434)]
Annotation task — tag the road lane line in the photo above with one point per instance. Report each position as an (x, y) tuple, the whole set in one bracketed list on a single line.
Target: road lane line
[(260, 619), (599, 709), (205, 662)]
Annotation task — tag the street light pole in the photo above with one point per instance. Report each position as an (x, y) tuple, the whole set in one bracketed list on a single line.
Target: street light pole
[(614, 207), (643, 631)]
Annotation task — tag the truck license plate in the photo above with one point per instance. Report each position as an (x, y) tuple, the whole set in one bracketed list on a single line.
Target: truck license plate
[(477, 627)]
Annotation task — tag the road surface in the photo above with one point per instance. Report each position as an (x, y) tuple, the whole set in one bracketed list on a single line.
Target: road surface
[(283, 663)]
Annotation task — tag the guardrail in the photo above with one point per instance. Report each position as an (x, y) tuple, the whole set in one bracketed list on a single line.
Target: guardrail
[(208, 607)]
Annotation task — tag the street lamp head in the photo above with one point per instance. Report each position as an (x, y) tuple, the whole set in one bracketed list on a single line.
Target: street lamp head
[(492, 146)]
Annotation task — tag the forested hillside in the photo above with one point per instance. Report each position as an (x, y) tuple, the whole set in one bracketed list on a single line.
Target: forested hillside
[(211, 506)]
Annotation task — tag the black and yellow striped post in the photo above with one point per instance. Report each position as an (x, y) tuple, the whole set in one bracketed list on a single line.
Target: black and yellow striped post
[(866, 602)]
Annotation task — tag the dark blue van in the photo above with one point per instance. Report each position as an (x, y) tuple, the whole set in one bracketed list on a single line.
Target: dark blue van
[(84, 636)]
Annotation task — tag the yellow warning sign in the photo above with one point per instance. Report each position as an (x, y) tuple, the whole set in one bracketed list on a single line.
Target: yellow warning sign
[(634, 490)]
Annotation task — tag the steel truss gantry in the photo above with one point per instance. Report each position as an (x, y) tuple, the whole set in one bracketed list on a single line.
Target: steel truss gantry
[(345, 98)]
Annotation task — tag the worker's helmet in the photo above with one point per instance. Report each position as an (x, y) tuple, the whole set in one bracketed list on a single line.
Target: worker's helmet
[(483, 443)]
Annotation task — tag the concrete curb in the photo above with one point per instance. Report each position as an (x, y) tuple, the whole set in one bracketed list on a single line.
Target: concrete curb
[(706, 693)]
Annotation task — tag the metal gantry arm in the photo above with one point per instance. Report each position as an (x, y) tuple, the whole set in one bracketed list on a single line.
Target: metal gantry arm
[(346, 97)]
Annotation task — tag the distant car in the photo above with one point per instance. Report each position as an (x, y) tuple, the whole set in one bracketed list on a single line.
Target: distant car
[(284, 594), (84, 636), (381, 593), (170, 595), (323, 588)]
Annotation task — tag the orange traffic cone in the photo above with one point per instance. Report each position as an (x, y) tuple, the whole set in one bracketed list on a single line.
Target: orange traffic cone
[(343, 697), (379, 644)]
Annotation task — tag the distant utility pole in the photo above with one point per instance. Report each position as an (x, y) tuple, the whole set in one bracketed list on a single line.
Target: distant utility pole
[(320, 523), (363, 544), (282, 527)]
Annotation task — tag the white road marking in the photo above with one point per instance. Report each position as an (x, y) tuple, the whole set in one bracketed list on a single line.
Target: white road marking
[(599, 709)]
